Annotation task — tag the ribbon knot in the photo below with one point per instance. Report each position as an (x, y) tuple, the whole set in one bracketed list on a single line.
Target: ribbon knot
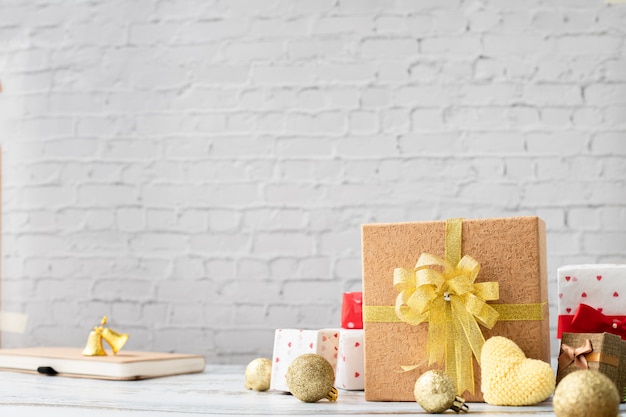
[(570, 354), (444, 294), (589, 320)]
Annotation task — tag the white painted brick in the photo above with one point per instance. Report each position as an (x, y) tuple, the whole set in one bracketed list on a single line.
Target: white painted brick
[(589, 45), (390, 72), (219, 269), (378, 146), (47, 196), (316, 48), (160, 242), (282, 75), (608, 243), (551, 94), (224, 221), (509, 69), (346, 73), (247, 51), (333, 25), (223, 243), (456, 46), (363, 122), (395, 120), (483, 20), (284, 243), (389, 47), (225, 75), (311, 292), (614, 117), (616, 70), (557, 117), (424, 95), (428, 144), (489, 94), (279, 27), (561, 143), (130, 219), (609, 143), (427, 119), (107, 195), (597, 94), (516, 45)]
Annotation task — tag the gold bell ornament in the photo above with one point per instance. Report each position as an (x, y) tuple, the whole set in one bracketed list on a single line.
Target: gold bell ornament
[(94, 342)]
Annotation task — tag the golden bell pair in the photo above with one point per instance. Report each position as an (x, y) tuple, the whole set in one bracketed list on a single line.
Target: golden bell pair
[(94, 342)]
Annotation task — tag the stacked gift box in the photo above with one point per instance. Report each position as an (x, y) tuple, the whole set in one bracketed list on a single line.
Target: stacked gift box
[(592, 320), (341, 347)]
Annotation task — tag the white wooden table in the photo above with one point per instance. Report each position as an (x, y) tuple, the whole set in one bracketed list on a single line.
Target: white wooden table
[(219, 391)]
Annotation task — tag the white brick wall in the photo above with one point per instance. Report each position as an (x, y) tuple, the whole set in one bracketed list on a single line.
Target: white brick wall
[(198, 170)]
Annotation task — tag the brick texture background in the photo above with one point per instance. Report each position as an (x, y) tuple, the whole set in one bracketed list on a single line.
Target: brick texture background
[(199, 170)]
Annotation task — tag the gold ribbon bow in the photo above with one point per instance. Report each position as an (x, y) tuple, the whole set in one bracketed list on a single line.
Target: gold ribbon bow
[(575, 355), (443, 293)]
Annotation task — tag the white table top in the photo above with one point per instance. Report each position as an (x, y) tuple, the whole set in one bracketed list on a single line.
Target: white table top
[(218, 391)]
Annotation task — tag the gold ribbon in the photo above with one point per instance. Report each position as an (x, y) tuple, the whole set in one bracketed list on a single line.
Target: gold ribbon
[(444, 294), (583, 354)]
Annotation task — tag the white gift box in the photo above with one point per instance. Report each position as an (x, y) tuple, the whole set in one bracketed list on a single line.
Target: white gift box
[(601, 286), (350, 362), (291, 343)]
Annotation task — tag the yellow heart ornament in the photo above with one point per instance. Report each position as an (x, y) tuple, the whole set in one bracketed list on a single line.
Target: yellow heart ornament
[(510, 378)]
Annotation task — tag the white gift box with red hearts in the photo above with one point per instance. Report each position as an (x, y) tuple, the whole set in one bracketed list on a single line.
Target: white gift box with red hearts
[(291, 343), (601, 286), (350, 363)]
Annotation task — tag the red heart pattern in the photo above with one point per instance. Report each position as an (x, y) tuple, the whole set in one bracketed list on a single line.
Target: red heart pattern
[(599, 277), (567, 278), (583, 295), (615, 294)]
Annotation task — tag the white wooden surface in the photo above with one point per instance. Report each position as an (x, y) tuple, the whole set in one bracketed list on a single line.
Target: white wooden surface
[(218, 391)]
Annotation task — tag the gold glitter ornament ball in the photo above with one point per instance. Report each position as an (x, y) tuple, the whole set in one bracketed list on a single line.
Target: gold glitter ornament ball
[(586, 393), (259, 374), (310, 378), (435, 393)]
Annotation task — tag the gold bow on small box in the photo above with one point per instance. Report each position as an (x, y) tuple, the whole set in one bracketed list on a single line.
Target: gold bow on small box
[(94, 342)]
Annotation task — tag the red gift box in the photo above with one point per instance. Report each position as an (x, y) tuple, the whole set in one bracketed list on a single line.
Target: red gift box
[(352, 310)]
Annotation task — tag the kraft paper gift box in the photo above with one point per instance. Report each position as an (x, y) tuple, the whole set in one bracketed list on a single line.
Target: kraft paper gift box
[(592, 299), (602, 352), (350, 374), (291, 343), (511, 252)]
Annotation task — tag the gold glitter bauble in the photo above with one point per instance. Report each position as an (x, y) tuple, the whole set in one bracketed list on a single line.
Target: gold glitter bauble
[(258, 374), (310, 378), (586, 393), (435, 393)]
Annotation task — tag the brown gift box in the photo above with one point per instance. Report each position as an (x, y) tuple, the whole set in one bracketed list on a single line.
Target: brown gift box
[(607, 355), (511, 251)]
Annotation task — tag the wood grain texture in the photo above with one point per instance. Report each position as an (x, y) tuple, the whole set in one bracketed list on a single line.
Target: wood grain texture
[(218, 391)]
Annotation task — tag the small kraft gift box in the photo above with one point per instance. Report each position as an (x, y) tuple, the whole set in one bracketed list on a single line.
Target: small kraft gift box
[(434, 291), (592, 299), (604, 352)]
